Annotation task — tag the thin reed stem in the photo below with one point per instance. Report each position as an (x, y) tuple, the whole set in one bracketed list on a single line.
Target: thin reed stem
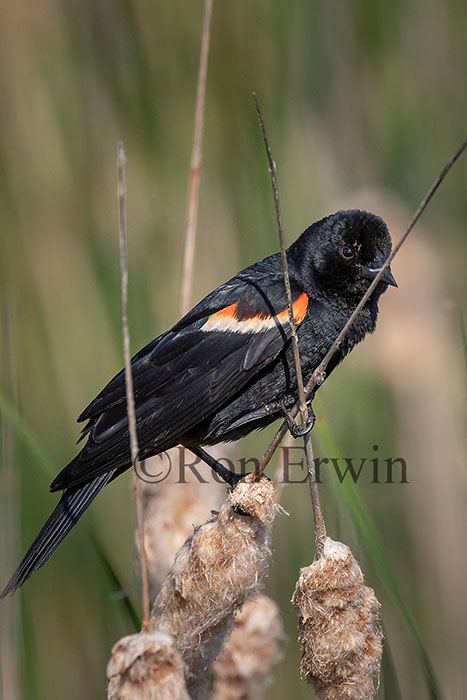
[(121, 194), (186, 284), (319, 524)]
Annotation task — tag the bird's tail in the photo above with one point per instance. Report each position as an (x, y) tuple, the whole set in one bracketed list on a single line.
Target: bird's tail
[(70, 508)]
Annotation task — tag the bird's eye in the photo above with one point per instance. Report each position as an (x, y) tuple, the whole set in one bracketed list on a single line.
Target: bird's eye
[(347, 252)]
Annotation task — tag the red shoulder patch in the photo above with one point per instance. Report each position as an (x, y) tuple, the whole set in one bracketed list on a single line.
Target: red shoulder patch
[(227, 319)]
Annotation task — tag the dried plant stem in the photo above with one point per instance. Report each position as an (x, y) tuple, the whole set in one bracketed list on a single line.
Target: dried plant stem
[(319, 374), (285, 265), (319, 524), (121, 194), (170, 509), (195, 168), (318, 519)]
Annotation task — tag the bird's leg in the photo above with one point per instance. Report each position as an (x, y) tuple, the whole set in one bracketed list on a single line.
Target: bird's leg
[(231, 478), (296, 429)]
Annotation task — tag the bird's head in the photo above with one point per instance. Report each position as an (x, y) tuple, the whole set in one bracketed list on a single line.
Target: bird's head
[(342, 253)]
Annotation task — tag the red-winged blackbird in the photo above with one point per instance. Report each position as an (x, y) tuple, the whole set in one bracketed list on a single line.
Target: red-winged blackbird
[(227, 367)]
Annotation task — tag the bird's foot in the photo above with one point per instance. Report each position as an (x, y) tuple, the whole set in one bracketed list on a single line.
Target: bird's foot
[(297, 429), (231, 478)]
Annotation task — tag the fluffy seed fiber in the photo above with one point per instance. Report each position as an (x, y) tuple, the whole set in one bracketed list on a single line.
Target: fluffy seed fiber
[(218, 568), (338, 627), (242, 671), (146, 666)]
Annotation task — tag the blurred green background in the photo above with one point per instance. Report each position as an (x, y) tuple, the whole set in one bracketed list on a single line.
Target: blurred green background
[(364, 102)]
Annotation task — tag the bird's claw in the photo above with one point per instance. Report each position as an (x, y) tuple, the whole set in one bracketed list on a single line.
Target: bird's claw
[(296, 429), (233, 478)]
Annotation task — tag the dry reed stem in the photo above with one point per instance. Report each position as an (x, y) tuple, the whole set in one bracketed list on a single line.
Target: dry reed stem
[(285, 265), (146, 666), (338, 627), (195, 168), (170, 509), (216, 571), (242, 671), (319, 374), (166, 537), (121, 195), (318, 519)]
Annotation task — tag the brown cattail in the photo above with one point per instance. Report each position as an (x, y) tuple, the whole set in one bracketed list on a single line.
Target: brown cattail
[(218, 568), (338, 626), (242, 670), (146, 666)]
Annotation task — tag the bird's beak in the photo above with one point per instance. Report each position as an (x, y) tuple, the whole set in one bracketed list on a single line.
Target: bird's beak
[(370, 271)]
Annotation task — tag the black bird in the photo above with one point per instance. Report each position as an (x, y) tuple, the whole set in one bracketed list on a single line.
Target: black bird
[(226, 368)]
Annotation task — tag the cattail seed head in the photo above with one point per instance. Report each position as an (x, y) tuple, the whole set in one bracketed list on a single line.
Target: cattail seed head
[(217, 569), (146, 666), (242, 671), (338, 626)]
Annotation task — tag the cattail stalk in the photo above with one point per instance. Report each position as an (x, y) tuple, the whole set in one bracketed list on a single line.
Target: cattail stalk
[(121, 194), (171, 508), (318, 519), (195, 168)]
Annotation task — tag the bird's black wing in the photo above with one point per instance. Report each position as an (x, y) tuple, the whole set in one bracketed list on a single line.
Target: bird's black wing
[(180, 378), (188, 373)]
